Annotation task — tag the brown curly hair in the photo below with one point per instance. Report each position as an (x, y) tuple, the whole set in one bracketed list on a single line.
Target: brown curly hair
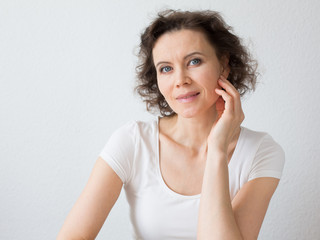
[(242, 74)]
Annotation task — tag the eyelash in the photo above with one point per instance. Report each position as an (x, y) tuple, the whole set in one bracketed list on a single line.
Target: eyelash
[(198, 59)]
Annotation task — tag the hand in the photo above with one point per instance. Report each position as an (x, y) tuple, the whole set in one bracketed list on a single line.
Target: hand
[(229, 116)]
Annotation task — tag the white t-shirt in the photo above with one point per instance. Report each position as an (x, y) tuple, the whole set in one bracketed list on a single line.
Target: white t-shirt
[(156, 211)]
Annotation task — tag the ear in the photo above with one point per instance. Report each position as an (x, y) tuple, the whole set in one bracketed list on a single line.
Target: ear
[(225, 67)]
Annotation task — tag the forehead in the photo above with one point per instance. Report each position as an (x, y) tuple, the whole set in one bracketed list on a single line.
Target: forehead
[(181, 42)]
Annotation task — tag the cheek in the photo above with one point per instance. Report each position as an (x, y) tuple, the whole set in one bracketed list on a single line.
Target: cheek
[(164, 89), (213, 95), (211, 84)]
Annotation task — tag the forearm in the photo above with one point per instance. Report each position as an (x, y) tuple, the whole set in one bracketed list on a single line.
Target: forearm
[(216, 218)]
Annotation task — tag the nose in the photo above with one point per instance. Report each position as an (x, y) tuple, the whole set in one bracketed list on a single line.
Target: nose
[(182, 78)]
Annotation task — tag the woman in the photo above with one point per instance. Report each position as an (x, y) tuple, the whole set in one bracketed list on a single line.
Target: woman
[(195, 172)]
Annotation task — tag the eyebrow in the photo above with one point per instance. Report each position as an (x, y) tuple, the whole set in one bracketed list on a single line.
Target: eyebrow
[(190, 54)]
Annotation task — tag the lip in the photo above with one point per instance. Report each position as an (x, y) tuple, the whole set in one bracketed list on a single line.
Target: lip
[(188, 98), (186, 95)]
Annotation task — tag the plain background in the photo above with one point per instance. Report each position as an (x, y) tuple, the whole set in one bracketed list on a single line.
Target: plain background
[(67, 71)]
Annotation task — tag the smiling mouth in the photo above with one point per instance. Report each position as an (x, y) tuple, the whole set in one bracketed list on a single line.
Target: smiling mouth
[(190, 96)]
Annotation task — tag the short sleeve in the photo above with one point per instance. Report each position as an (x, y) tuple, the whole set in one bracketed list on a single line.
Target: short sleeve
[(119, 151), (269, 159)]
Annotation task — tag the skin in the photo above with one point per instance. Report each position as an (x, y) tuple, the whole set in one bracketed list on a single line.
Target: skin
[(206, 131), (176, 74), (200, 72), (212, 120)]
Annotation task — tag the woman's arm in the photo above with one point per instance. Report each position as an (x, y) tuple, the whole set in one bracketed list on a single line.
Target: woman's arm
[(218, 217), (241, 219), (94, 204), (251, 203)]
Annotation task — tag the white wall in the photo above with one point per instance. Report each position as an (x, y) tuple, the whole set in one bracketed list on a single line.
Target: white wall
[(66, 78)]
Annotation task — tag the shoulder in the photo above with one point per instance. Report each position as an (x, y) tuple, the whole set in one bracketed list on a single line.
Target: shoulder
[(122, 147), (268, 157), (134, 129), (252, 136), (262, 140)]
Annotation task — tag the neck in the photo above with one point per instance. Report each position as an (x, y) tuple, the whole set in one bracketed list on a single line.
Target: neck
[(193, 132)]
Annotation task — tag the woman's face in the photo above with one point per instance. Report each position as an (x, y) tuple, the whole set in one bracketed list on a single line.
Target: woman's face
[(187, 71)]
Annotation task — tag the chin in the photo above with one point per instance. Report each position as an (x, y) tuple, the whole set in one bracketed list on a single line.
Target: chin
[(194, 112), (188, 113)]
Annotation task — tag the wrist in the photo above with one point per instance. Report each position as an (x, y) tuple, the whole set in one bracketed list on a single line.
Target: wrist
[(218, 154), (217, 149)]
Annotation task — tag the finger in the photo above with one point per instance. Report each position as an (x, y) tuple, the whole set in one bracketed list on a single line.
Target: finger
[(228, 86), (234, 93), (228, 100)]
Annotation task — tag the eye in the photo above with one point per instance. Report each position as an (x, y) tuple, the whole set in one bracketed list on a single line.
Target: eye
[(195, 61), (165, 69)]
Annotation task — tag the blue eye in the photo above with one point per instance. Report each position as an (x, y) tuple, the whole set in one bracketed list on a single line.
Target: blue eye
[(195, 61), (165, 69)]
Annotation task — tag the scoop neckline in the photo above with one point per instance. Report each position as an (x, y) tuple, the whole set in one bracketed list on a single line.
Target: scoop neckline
[(162, 182)]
